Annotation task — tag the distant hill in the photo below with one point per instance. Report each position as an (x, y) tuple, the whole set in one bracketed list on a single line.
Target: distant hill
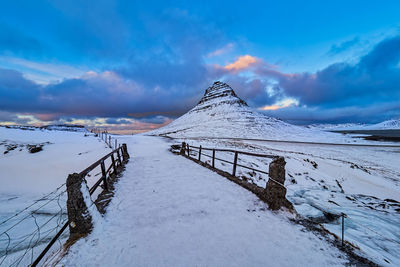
[(385, 125), (58, 127)]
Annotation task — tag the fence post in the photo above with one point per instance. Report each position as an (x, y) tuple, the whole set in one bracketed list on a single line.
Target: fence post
[(183, 148), (213, 159), (188, 150), (119, 157), (113, 163), (115, 143), (125, 153), (343, 215), (234, 164), (109, 141), (199, 152), (80, 220), (103, 172), (275, 192)]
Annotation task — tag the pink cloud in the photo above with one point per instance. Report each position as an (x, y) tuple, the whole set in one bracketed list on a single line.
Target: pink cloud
[(243, 62)]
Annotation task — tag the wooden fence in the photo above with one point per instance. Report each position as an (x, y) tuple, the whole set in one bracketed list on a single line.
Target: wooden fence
[(118, 157), (106, 137), (234, 163)]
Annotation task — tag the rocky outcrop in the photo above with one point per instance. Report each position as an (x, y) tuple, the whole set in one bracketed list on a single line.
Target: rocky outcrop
[(218, 94)]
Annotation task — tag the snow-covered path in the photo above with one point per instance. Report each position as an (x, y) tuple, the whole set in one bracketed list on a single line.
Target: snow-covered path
[(169, 211)]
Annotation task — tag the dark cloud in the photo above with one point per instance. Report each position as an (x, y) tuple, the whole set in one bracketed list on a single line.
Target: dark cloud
[(12, 117), (117, 121), (374, 79), (320, 114), (18, 93), (366, 91), (155, 119)]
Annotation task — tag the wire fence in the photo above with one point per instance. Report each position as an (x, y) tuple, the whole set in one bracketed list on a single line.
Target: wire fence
[(39, 228), (23, 234)]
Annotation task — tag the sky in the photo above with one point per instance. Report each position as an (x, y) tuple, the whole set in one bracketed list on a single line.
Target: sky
[(133, 66)]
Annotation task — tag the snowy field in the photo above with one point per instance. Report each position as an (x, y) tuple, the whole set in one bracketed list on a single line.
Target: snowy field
[(175, 200), (363, 182), (170, 211), (28, 178)]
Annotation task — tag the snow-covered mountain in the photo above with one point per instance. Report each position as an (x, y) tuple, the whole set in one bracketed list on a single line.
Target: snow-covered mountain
[(336, 127), (221, 113), (385, 125)]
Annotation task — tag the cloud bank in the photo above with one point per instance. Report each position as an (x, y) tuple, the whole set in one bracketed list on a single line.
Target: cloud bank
[(155, 68)]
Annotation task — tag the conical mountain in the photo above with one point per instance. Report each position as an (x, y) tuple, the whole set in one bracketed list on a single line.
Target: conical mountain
[(221, 113)]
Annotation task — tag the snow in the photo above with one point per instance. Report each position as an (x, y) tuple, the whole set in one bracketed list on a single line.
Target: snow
[(336, 127), (385, 125), (169, 211), (393, 124), (27, 177), (64, 152), (369, 177)]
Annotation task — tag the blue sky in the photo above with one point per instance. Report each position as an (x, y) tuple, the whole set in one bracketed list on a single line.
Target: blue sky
[(136, 65)]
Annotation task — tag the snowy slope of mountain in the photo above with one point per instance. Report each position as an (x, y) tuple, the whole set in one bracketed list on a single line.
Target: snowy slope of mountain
[(336, 127), (385, 125), (221, 113)]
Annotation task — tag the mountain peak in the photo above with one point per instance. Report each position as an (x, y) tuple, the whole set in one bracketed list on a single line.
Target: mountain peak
[(221, 113), (219, 93)]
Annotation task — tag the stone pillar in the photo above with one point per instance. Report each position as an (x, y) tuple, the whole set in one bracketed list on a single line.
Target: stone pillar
[(125, 154), (183, 148), (275, 193), (80, 220)]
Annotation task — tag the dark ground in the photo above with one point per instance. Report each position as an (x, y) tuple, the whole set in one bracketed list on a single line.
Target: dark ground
[(376, 135)]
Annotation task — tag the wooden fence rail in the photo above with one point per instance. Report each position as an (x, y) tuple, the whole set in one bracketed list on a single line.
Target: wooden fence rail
[(115, 166), (274, 194), (235, 163)]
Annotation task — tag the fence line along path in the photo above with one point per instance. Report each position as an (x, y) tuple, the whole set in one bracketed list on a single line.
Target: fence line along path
[(27, 236), (169, 211)]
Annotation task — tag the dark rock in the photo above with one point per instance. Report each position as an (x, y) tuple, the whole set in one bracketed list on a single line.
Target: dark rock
[(34, 148), (78, 213), (275, 193)]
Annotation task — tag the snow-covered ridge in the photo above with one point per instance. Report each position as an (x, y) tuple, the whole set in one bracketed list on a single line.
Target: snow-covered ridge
[(385, 125), (58, 127), (334, 127)]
